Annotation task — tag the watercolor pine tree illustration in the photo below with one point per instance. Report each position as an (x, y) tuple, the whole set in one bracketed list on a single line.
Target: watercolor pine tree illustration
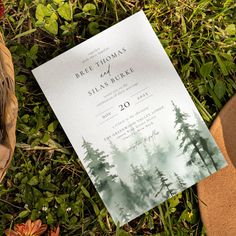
[(129, 198), (100, 169), (149, 178), (165, 185), (180, 182), (149, 157), (210, 151), (120, 160), (189, 135), (141, 187), (210, 146), (129, 185), (160, 154), (145, 183), (123, 213)]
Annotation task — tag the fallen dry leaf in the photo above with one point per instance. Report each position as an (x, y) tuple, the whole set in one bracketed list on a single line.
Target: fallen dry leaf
[(8, 109)]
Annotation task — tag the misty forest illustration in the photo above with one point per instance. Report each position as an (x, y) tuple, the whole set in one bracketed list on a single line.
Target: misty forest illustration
[(129, 187)]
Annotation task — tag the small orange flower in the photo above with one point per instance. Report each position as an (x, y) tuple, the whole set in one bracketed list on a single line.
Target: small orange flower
[(28, 229), (55, 231)]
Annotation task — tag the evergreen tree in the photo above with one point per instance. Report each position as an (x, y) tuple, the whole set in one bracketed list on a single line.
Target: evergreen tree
[(123, 213), (209, 145), (209, 150), (100, 170), (180, 182), (189, 137), (165, 185), (158, 157), (129, 198), (121, 161), (159, 153), (149, 178), (149, 156), (198, 169), (141, 187)]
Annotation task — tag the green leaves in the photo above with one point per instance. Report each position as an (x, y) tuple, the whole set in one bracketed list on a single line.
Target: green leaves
[(42, 12), (51, 26), (69, 28), (213, 83), (231, 29), (189, 216), (58, 2), (206, 69), (65, 11), (221, 64), (37, 183), (220, 89), (93, 28), (23, 214), (47, 16), (89, 8), (121, 232), (47, 19), (33, 181), (85, 192), (174, 201), (53, 126)]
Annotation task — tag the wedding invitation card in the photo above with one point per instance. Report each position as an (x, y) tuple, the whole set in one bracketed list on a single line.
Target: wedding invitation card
[(129, 118)]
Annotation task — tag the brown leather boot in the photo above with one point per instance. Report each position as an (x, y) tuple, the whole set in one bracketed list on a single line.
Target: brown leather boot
[(217, 193), (8, 109)]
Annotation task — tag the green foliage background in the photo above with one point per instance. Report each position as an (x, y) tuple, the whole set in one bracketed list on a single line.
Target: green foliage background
[(46, 179)]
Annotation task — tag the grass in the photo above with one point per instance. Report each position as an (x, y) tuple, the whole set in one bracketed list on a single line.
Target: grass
[(46, 179)]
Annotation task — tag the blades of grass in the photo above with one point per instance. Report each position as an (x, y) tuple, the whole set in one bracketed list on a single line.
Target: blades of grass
[(163, 219), (206, 115), (122, 6), (113, 4), (28, 32), (21, 21), (183, 24), (228, 8), (168, 217), (215, 98), (202, 4), (115, 10), (221, 64)]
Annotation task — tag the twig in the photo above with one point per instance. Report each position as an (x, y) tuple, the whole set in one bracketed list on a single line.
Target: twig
[(1, 200)]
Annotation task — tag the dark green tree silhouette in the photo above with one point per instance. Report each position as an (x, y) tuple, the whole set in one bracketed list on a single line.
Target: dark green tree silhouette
[(141, 187), (159, 153), (149, 178), (180, 182), (100, 169), (165, 185), (194, 162), (211, 151), (189, 137), (129, 198), (123, 213), (209, 145)]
